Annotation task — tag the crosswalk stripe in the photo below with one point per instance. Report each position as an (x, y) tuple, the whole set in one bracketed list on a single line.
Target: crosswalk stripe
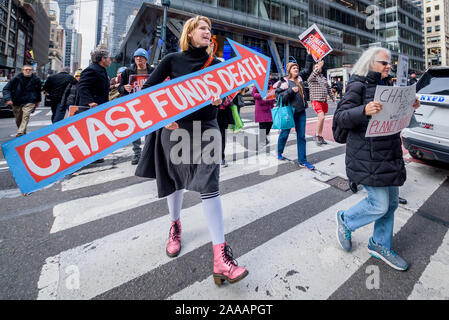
[(430, 287), (417, 240), (83, 210), (126, 255), (36, 113), (39, 123), (294, 255)]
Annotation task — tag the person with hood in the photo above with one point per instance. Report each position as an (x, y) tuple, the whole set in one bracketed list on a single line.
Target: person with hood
[(68, 98), (23, 94), (55, 87), (139, 67), (319, 90), (376, 162)]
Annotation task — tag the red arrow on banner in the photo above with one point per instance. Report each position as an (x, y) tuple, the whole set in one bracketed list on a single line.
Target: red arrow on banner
[(47, 155)]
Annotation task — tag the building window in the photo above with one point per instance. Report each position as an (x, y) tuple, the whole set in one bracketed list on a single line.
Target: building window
[(437, 18), (3, 32), (428, 9), (2, 47), (3, 16), (225, 3), (429, 29), (437, 7), (437, 28), (4, 3)]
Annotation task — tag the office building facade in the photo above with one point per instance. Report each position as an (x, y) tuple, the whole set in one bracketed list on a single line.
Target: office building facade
[(272, 27), (436, 28)]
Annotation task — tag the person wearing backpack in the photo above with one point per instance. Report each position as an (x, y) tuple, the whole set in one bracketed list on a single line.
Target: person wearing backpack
[(375, 163)]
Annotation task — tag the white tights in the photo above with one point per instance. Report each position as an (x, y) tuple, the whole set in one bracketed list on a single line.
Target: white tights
[(212, 209)]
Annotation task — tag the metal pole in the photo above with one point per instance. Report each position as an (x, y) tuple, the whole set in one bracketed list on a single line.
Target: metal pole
[(164, 32)]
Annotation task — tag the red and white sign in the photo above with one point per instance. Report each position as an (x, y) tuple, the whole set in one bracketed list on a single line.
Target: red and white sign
[(46, 155), (137, 81), (314, 40)]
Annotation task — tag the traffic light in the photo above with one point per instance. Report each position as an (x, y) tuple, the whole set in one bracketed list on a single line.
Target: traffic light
[(158, 31)]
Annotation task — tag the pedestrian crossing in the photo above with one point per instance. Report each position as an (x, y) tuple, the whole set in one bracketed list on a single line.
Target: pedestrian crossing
[(289, 249), (278, 219)]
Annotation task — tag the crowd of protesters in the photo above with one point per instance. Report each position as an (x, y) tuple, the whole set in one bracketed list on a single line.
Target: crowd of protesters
[(374, 163)]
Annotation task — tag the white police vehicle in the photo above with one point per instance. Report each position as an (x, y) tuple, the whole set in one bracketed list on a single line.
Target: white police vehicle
[(427, 136)]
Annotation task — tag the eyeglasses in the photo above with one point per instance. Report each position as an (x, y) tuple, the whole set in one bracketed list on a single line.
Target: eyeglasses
[(384, 63), (27, 69)]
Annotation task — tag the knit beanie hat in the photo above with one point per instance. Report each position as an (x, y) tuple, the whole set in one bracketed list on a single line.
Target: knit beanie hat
[(141, 53)]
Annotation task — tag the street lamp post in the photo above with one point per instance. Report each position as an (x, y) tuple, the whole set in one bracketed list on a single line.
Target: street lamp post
[(165, 4)]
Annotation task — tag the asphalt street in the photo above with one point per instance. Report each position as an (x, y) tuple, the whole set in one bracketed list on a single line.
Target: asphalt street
[(100, 233)]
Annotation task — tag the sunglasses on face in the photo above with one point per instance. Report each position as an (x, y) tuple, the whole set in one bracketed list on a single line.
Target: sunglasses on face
[(384, 63)]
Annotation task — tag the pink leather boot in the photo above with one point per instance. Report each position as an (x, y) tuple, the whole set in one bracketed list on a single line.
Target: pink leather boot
[(225, 266), (174, 239)]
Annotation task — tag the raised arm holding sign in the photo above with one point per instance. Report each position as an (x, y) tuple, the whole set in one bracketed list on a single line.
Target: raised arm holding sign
[(314, 40)]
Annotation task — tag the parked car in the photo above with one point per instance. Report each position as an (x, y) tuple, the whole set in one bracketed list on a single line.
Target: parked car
[(4, 108), (427, 136)]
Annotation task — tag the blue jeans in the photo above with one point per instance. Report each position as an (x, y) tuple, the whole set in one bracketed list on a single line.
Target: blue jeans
[(379, 206), (300, 127)]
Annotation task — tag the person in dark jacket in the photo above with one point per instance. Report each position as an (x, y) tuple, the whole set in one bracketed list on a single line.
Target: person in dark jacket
[(224, 119), (176, 169), (262, 113), (23, 94), (93, 87), (68, 98), (376, 163), (140, 67), (291, 90), (55, 87), (412, 80)]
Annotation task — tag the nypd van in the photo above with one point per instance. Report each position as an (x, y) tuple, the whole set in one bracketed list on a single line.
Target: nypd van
[(427, 136)]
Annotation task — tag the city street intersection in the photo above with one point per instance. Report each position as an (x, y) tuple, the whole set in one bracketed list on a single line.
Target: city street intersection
[(101, 232)]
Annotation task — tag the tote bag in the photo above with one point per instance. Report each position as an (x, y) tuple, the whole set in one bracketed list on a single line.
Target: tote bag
[(282, 116), (238, 123)]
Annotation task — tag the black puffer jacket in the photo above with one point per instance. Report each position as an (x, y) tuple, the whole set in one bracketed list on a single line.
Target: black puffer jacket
[(375, 162)]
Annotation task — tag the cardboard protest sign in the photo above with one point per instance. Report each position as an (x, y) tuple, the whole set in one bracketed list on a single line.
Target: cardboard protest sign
[(396, 112), (402, 70), (313, 39), (48, 154), (137, 81)]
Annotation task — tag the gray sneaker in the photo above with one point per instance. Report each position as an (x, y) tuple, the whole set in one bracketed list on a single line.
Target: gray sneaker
[(135, 159), (343, 233), (388, 256)]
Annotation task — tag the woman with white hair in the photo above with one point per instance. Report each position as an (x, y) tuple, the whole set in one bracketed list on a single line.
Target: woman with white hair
[(376, 163)]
